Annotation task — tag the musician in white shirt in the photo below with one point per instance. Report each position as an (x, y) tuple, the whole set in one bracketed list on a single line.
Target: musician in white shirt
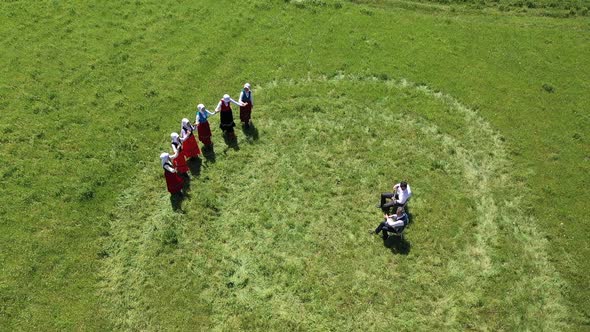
[(400, 195)]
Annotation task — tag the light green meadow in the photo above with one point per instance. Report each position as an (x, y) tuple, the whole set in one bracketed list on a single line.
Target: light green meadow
[(481, 106)]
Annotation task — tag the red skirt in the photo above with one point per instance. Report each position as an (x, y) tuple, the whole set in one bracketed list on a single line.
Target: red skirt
[(190, 147), (174, 182), (204, 132), (245, 112), (180, 163)]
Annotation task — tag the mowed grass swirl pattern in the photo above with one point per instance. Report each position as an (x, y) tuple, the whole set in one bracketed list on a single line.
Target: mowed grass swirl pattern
[(275, 232)]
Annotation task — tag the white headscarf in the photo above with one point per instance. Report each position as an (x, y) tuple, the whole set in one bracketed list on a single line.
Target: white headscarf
[(164, 158), (247, 86), (184, 125), (200, 107), (174, 137), (226, 98)]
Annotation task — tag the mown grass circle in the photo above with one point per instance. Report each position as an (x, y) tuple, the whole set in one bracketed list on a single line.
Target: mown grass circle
[(276, 230)]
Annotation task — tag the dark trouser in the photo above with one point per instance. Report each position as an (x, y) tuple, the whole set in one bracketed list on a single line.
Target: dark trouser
[(385, 206), (383, 226)]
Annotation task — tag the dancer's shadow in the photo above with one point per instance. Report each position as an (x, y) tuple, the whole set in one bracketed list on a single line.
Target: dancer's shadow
[(194, 165), (231, 141), (177, 198), (251, 132), (186, 188), (209, 153), (176, 201)]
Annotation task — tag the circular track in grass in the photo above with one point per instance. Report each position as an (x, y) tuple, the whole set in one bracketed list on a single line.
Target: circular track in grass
[(276, 233)]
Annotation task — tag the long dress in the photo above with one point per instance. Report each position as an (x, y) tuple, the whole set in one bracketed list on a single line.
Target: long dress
[(246, 111), (174, 182), (189, 145), (180, 161), (226, 121), (203, 129)]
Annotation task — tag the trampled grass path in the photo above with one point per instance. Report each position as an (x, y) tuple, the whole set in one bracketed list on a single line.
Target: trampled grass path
[(492, 274)]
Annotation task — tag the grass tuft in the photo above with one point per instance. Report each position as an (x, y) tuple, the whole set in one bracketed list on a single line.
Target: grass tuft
[(548, 88)]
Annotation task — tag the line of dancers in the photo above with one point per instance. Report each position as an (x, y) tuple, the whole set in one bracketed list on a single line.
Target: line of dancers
[(185, 146)]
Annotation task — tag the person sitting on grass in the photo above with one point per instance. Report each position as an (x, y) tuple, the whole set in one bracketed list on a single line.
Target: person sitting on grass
[(400, 195), (394, 223)]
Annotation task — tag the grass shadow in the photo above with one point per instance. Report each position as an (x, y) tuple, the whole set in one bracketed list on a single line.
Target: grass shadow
[(410, 216), (187, 182), (209, 153), (231, 141), (194, 165), (397, 245), (176, 201), (250, 131)]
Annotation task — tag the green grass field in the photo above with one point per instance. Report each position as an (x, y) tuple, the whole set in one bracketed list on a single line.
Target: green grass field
[(482, 106)]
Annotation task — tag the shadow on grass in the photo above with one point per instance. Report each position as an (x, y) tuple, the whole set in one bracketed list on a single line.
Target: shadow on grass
[(231, 141), (209, 153), (176, 201), (194, 165), (187, 182), (410, 216), (250, 131), (397, 245)]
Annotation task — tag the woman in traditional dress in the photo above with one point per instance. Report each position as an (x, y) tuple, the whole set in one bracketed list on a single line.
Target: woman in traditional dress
[(174, 182), (203, 128), (190, 147), (226, 123), (180, 161), (246, 111)]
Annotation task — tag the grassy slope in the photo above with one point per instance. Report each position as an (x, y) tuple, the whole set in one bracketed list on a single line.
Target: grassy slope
[(122, 77)]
